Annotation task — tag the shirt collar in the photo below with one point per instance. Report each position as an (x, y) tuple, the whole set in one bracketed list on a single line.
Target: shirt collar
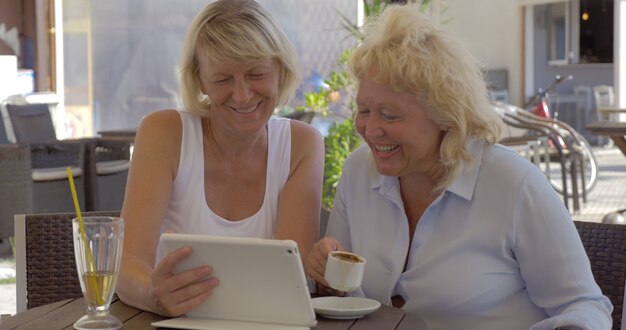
[(463, 185)]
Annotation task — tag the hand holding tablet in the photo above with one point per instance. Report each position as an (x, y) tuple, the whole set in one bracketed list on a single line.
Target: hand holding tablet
[(261, 281)]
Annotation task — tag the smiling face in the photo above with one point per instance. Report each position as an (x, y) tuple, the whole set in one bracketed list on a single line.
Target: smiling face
[(403, 140), (243, 95)]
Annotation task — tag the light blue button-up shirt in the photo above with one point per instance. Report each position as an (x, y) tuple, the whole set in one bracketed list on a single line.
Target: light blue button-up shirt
[(496, 250)]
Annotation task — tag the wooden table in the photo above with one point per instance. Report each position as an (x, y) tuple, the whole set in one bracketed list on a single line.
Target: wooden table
[(127, 135), (63, 314), (616, 130), (609, 111)]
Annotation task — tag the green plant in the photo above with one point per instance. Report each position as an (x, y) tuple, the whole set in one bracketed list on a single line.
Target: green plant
[(12, 242), (340, 142), (342, 138), (10, 261)]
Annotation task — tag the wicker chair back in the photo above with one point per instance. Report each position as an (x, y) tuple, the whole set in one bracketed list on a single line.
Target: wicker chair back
[(605, 245), (45, 266), (16, 189)]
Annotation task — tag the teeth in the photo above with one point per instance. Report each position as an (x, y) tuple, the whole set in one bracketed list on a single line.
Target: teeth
[(386, 148), (246, 110)]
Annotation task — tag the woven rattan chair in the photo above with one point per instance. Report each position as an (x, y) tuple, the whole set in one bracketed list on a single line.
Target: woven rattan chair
[(305, 116), (605, 245), (16, 189), (107, 171), (4, 135), (105, 163), (45, 266), (51, 189), (31, 122)]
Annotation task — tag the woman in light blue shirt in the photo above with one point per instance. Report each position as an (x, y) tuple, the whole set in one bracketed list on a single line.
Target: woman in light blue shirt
[(456, 229)]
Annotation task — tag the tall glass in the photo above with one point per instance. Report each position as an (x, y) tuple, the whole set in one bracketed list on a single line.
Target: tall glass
[(98, 252)]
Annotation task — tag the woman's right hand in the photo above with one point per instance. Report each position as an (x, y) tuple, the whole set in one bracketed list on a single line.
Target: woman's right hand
[(316, 264), (175, 294)]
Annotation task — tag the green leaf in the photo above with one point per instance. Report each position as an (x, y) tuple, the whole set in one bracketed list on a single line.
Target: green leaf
[(341, 140)]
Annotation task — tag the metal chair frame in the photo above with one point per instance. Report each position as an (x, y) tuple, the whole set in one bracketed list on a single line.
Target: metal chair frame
[(565, 145)]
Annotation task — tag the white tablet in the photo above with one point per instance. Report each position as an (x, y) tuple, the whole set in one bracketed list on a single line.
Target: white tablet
[(262, 281)]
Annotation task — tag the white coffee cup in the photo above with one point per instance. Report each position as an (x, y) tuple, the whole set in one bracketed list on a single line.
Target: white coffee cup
[(344, 270)]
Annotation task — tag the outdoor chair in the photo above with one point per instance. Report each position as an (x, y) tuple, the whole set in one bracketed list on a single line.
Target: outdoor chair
[(31, 122), (32, 125), (4, 135), (564, 150), (44, 258), (605, 245), (16, 189), (572, 145), (107, 163), (605, 101), (305, 116), (104, 167), (51, 188)]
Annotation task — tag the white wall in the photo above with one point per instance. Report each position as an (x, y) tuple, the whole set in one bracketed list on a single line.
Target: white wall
[(8, 76), (492, 31), (620, 56)]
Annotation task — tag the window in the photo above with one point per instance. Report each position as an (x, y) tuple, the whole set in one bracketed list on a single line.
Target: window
[(596, 31), (557, 19), (578, 31)]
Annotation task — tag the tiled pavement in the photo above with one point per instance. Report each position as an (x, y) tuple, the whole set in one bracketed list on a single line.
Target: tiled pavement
[(608, 195), (7, 291)]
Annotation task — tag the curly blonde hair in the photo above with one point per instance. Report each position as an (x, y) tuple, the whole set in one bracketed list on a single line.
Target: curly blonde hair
[(234, 31), (410, 54)]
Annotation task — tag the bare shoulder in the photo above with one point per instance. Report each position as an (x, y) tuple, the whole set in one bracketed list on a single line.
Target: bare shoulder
[(168, 118), (160, 125), (303, 134), (307, 143), (160, 134)]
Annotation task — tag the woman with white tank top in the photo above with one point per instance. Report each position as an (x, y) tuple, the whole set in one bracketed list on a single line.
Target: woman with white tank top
[(223, 165)]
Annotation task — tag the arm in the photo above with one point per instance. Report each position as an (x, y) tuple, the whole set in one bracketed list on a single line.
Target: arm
[(300, 200), (153, 168), (337, 231), (553, 261)]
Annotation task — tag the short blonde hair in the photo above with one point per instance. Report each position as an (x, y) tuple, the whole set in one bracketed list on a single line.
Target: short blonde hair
[(409, 53), (234, 31)]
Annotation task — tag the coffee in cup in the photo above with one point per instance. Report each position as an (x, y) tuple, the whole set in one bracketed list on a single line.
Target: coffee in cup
[(344, 270)]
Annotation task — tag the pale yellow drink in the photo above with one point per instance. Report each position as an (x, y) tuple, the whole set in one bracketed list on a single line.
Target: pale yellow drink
[(98, 252), (99, 287)]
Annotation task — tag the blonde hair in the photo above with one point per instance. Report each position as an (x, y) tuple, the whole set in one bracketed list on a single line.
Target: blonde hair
[(410, 54), (234, 31)]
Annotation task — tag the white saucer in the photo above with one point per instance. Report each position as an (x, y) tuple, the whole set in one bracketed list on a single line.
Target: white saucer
[(344, 308)]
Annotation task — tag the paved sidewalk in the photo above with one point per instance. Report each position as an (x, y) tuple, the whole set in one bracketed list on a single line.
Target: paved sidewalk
[(7, 269), (7, 299), (609, 194)]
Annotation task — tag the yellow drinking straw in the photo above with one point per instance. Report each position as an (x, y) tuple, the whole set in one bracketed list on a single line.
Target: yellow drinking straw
[(91, 280)]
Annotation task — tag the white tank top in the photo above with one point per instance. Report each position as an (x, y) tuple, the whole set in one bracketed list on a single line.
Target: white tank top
[(188, 212)]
